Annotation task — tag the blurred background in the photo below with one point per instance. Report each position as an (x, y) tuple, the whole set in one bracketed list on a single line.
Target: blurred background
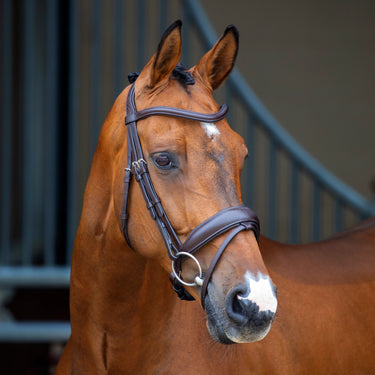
[(302, 97)]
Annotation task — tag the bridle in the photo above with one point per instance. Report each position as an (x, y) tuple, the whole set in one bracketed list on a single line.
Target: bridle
[(236, 219)]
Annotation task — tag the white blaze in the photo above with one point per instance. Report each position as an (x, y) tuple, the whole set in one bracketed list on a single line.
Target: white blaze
[(211, 130), (260, 292)]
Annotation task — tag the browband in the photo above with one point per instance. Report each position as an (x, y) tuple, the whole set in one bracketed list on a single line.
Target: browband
[(171, 111)]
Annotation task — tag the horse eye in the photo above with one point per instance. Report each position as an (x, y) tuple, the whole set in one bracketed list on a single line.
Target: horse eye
[(164, 161)]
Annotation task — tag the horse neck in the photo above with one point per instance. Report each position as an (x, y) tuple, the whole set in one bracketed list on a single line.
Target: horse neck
[(113, 289), (112, 292), (111, 285)]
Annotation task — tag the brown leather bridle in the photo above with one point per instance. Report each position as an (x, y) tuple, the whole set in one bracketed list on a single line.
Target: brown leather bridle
[(237, 218)]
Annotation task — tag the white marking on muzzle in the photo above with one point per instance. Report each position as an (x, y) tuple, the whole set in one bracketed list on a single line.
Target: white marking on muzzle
[(211, 130), (260, 292)]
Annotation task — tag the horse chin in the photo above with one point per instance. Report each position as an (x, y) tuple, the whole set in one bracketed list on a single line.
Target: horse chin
[(214, 325), (225, 331)]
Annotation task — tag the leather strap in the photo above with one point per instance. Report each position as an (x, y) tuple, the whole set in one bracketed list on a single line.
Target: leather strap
[(177, 112), (237, 218), (136, 166), (215, 226), (223, 246), (220, 223)]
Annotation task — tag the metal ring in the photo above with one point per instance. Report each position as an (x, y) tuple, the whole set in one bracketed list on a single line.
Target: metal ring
[(198, 280)]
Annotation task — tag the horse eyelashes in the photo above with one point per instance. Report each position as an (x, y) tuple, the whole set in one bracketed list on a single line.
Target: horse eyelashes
[(165, 161)]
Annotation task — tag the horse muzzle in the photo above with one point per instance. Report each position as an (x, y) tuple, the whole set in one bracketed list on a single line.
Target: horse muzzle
[(246, 313)]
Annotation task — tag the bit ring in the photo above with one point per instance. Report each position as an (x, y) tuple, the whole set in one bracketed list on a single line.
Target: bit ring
[(198, 280)]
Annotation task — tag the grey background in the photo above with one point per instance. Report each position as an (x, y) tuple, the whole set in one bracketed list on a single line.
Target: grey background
[(312, 63)]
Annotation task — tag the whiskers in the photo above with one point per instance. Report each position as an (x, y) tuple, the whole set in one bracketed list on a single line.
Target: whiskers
[(224, 353)]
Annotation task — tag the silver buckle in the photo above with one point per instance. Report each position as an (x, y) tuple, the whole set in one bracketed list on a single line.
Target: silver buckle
[(136, 163)]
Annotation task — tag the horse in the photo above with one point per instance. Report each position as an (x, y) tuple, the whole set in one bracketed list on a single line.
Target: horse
[(164, 198)]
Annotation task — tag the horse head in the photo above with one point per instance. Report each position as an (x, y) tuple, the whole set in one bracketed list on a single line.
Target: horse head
[(194, 169)]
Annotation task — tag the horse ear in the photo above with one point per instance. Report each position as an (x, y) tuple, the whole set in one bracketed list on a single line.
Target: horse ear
[(166, 57), (216, 64)]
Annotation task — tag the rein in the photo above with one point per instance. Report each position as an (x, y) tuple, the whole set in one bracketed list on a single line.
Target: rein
[(236, 219)]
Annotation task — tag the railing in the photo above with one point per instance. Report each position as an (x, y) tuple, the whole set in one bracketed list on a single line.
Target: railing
[(60, 78)]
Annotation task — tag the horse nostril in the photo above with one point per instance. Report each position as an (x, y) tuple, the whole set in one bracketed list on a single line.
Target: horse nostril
[(234, 307), (243, 311)]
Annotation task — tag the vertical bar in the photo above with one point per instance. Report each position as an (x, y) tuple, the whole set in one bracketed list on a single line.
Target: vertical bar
[(294, 199), (272, 180), (228, 100), (95, 77), (29, 69), (6, 135), (37, 146), (51, 132), (360, 215), (316, 212), (186, 57), (119, 42), (141, 34), (163, 16), (338, 215), (73, 135)]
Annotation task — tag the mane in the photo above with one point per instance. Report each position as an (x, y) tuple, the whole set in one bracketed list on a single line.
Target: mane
[(182, 75), (179, 73)]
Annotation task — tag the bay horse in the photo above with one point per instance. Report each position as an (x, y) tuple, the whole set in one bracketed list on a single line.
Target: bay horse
[(163, 197)]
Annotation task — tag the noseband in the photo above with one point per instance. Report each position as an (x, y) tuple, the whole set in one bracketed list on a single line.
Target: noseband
[(234, 219)]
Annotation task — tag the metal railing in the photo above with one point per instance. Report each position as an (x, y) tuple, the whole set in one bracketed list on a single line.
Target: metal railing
[(62, 68)]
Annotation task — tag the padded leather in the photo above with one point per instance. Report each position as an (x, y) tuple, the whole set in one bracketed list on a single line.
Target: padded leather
[(220, 223)]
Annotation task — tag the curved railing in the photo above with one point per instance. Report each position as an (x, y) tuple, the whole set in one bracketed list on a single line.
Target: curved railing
[(72, 59)]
